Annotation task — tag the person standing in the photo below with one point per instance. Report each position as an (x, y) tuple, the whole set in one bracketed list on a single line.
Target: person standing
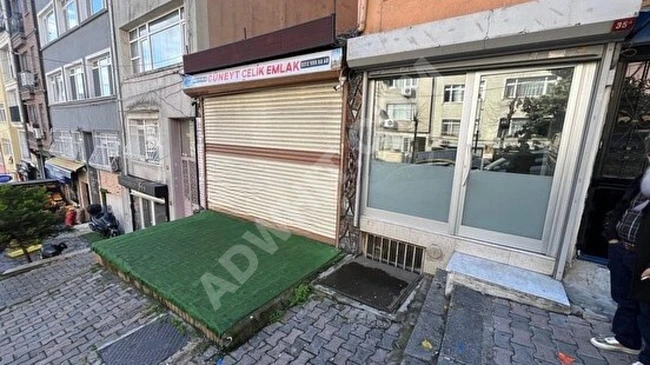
[(627, 230)]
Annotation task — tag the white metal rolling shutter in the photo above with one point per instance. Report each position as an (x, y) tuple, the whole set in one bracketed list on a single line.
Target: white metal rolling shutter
[(304, 119)]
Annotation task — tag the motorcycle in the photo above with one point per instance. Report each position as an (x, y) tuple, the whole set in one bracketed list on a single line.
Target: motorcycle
[(103, 221)]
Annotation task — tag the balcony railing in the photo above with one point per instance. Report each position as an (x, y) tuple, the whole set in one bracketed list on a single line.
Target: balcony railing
[(16, 24)]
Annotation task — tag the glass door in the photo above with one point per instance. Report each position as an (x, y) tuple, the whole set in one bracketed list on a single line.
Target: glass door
[(517, 142), (416, 123)]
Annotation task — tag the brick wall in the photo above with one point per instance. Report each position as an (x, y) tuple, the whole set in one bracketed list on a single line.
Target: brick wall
[(108, 181)]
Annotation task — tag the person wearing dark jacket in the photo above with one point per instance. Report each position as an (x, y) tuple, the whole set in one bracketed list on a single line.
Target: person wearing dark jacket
[(627, 230)]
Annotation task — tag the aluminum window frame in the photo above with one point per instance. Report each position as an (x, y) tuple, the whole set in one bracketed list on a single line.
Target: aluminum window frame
[(91, 10), (584, 78), (78, 77), (143, 34), (92, 61), (43, 16), (144, 125), (57, 92), (106, 145), (66, 14)]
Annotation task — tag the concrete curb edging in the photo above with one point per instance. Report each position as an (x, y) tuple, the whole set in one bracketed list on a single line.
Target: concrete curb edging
[(39, 263)]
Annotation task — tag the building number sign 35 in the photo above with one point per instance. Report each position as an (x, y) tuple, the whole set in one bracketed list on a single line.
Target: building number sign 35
[(623, 24)]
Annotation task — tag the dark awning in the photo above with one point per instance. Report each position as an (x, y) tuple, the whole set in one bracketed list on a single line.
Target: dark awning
[(62, 169), (640, 36)]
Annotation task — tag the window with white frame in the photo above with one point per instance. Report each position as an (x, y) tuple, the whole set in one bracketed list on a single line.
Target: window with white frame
[(48, 24), (105, 151), (95, 6), (102, 76), (529, 87), (70, 14), (144, 141), (7, 65), (159, 43), (404, 112), (24, 147), (405, 83), (68, 144), (450, 127), (3, 113), (7, 150), (454, 93), (32, 115), (76, 83), (56, 88)]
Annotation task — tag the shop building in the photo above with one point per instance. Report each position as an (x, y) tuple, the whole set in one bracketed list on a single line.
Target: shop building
[(481, 127), (159, 180), (272, 96)]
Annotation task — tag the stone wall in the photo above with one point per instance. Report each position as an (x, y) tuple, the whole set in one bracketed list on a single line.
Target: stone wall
[(348, 233)]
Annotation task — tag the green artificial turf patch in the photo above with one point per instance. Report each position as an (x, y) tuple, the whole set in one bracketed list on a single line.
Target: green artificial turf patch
[(171, 259)]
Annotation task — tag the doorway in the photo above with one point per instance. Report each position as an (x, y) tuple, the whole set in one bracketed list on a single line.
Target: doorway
[(621, 157)]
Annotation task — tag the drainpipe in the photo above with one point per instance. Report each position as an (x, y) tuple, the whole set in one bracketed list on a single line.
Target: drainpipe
[(42, 80), (362, 9), (118, 83)]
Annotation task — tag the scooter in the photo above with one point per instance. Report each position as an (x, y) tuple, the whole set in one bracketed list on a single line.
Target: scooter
[(103, 221)]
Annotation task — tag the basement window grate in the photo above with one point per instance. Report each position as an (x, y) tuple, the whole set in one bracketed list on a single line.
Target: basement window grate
[(395, 253)]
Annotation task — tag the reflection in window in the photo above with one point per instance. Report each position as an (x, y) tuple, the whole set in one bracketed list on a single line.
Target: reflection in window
[(450, 127), (516, 147), (96, 6), (454, 93), (49, 21), (401, 111), (410, 171), (159, 43), (70, 14), (529, 87)]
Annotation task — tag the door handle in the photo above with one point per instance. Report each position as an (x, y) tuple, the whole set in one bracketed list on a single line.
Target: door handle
[(468, 149)]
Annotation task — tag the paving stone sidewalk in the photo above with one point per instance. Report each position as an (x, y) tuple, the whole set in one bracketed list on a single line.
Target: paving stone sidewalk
[(15, 289), (521, 334), (320, 331), (74, 240), (64, 324)]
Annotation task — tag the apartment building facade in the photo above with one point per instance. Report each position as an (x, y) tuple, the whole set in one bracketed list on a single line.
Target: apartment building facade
[(18, 162), (160, 176), (32, 103), (480, 139), (79, 74)]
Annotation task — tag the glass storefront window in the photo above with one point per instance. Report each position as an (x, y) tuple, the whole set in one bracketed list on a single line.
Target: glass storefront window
[(414, 144), (517, 142)]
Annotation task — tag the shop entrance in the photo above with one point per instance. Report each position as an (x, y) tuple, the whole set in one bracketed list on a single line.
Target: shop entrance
[(621, 157)]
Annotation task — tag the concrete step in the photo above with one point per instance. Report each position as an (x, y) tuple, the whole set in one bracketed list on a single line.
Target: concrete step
[(426, 339), (467, 338), (508, 282)]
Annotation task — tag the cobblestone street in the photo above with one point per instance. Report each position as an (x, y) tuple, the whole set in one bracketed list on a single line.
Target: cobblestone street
[(59, 313)]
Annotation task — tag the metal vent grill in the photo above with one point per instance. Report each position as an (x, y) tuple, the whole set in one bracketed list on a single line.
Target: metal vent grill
[(395, 253)]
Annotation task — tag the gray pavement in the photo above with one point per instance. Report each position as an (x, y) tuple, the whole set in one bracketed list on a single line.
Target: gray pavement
[(73, 308), (15, 289), (486, 330), (320, 331), (61, 313)]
